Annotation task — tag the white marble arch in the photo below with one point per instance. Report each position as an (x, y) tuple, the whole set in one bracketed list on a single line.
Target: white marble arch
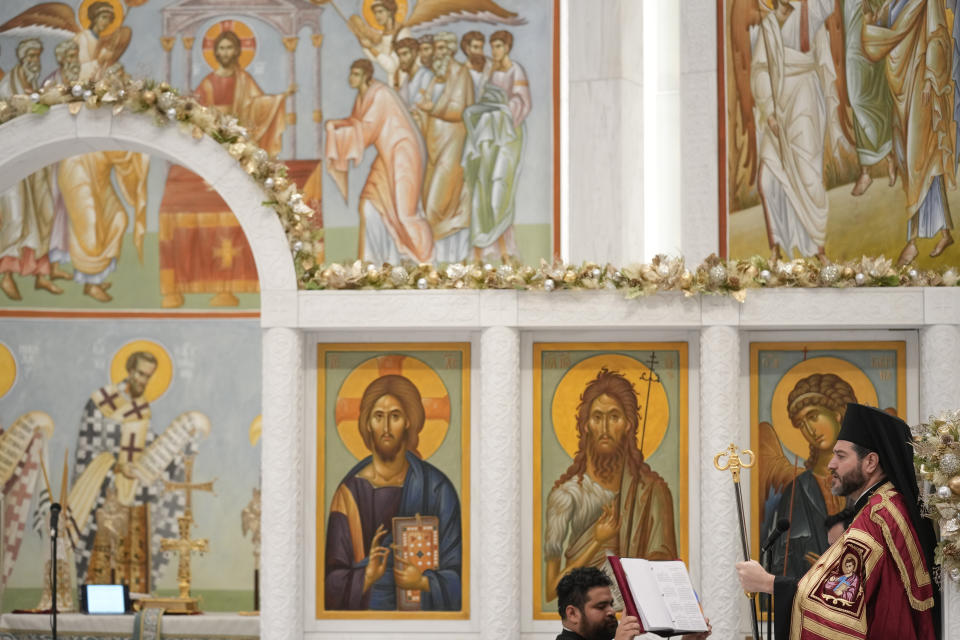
[(33, 141)]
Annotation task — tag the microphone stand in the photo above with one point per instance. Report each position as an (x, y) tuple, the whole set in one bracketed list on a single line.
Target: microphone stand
[(768, 564), (54, 515)]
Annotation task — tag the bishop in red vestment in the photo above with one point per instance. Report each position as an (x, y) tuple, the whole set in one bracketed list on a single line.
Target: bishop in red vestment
[(874, 581)]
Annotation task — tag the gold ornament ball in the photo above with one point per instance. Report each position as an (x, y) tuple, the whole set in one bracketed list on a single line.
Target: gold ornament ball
[(149, 97), (954, 484)]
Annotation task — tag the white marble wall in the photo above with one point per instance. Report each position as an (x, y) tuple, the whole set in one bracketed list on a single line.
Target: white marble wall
[(605, 102)]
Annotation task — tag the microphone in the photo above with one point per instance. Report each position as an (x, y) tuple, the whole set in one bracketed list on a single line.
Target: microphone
[(54, 516), (782, 525)]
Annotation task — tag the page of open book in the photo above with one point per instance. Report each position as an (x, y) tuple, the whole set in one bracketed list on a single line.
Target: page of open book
[(664, 596), (646, 593), (679, 596)]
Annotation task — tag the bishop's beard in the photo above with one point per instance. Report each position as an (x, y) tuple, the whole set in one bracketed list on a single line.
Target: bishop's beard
[(607, 465)]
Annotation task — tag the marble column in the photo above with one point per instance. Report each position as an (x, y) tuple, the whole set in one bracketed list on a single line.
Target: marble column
[(290, 43), (940, 391), (188, 61), (167, 43), (282, 542), (497, 557), (722, 597)]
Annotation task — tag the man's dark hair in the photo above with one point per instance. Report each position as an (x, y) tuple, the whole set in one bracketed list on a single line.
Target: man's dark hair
[(863, 451), (389, 5), (502, 36), (365, 66), (844, 517), (97, 8), (573, 587), (136, 356), (406, 43), (615, 385), (469, 37), (409, 397)]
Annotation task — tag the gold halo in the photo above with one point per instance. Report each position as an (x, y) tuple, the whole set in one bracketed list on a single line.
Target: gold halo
[(400, 16), (436, 401), (8, 369), (256, 430), (248, 42), (566, 398), (159, 381), (117, 15), (790, 436)]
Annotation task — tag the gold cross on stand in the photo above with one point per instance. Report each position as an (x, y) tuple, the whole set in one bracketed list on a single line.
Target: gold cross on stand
[(183, 545), (189, 487)]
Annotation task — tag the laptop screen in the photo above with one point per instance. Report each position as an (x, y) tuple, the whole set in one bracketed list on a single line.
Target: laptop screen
[(106, 598)]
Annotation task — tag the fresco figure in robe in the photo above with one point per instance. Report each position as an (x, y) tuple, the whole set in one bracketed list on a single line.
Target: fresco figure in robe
[(913, 38), (202, 247), (231, 89), (392, 225), (870, 99), (792, 80), (609, 500), (26, 210), (363, 568), (446, 199), (114, 453), (493, 153)]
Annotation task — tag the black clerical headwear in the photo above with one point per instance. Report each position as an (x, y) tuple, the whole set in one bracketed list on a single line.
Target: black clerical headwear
[(890, 438)]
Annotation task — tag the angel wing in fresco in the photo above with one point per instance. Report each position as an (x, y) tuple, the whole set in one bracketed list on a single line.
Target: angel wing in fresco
[(432, 13), (743, 15), (58, 19), (776, 471)]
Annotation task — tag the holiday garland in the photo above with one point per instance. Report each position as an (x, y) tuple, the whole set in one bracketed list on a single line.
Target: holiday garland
[(936, 447), (665, 273)]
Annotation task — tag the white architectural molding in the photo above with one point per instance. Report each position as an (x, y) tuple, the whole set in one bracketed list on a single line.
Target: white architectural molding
[(283, 535), (719, 417), (31, 142), (499, 489), (940, 391)]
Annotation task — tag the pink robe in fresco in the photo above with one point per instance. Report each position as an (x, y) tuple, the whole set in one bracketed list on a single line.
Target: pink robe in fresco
[(380, 118)]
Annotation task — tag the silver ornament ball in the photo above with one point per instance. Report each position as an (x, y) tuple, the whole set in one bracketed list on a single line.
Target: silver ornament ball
[(421, 283), (944, 492), (172, 113), (860, 278), (297, 246), (87, 94), (765, 274), (830, 273), (548, 284), (718, 274), (950, 464), (34, 96), (76, 90), (595, 272), (269, 182)]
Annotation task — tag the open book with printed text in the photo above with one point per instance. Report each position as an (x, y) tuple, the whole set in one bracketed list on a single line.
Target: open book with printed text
[(660, 594)]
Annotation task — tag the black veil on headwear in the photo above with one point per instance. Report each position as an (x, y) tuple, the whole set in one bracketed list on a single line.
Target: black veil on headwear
[(890, 438)]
